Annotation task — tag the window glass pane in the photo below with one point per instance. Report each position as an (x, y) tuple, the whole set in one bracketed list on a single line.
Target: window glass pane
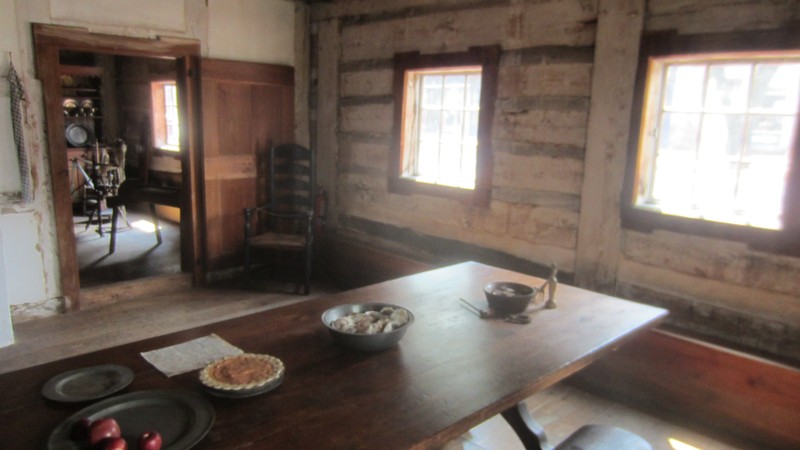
[(428, 162), (679, 132), (432, 91), (721, 135), (775, 88), (473, 92), (684, 87), (454, 86), (770, 134), (173, 134), (471, 128), (430, 125), (449, 164), (170, 95), (728, 86), (451, 126), (760, 192), (714, 188), (672, 179)]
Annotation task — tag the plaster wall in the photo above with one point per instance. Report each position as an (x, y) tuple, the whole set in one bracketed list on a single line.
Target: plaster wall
[(248, 30), (6, 330), (34, 287), (560, 141)]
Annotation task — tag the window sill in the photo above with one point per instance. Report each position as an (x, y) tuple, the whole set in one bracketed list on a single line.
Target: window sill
[(480, 198), (779, 242)]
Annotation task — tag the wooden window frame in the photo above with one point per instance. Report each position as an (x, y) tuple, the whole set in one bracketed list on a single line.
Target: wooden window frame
[(660, 44), (488, 59)]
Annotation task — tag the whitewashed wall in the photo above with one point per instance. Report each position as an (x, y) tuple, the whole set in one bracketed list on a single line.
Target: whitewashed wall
[(6, 330), (557, 167), (225, 29), (252, 30)]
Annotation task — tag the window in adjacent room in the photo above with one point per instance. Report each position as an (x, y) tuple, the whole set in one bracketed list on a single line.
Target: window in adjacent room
[(166, 128), (442, 124), (717, 144)]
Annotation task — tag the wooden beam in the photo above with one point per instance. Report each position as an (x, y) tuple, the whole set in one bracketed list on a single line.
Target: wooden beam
[(619, 28), (327, 126)]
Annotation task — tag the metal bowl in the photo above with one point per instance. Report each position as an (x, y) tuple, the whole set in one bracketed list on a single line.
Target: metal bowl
[(364, 342), (506, 297)]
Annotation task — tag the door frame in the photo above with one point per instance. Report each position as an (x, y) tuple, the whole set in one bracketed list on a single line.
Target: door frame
[(49, 40)]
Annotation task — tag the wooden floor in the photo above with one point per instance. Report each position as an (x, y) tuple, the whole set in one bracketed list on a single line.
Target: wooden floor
[(560, 409)]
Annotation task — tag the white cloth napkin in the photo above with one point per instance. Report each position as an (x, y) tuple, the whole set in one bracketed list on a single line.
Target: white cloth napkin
[(191, 355)]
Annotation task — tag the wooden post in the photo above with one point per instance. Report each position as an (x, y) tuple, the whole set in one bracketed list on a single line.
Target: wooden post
[(302, 70), (327, 145), (616, 54)]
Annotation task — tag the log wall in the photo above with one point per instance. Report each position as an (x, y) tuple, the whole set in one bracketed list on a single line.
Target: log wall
[(559, 140)]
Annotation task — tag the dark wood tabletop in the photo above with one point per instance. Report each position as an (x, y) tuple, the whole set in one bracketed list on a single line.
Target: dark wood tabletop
[(450, 372)]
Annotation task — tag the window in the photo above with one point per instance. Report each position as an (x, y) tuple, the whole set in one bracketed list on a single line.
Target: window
[(443, 115), (716, 149), (166, 128), (442, 126)]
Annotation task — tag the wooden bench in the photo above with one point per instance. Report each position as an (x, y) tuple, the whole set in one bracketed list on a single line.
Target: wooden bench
[(702, 385)]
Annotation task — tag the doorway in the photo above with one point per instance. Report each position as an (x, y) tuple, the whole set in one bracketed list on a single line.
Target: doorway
[(52, 44), (128, 105)]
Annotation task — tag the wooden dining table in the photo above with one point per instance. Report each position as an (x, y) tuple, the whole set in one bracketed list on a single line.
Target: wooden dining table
[(450, 372)]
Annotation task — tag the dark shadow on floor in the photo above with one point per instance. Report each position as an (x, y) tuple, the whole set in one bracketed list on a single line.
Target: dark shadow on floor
[(137, 254)]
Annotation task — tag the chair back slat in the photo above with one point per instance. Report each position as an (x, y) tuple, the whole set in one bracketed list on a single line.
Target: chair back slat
[(291, 181)]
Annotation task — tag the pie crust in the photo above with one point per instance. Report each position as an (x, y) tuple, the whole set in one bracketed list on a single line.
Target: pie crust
[(242, 372)]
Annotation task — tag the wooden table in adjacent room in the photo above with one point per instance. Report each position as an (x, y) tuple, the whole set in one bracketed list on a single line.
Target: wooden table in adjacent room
[(451, 371)]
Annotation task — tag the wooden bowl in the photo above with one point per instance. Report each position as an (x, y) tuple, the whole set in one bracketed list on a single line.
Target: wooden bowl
[(506, 297)]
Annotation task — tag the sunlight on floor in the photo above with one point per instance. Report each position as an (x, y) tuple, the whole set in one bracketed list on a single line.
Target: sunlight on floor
[(679, 445), (144, 225)]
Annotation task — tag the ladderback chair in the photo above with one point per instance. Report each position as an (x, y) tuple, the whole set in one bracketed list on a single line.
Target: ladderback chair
[(284, 224)]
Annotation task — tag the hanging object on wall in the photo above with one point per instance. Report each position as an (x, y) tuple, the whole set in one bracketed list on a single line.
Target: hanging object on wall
[(17, 94)]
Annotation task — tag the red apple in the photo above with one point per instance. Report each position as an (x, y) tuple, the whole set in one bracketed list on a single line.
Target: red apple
[(113, 443), (102, 429), (80, 429), (150, 440)]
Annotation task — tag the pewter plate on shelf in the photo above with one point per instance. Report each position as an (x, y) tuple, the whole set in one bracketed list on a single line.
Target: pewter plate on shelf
[(88, 383), (78, 135)]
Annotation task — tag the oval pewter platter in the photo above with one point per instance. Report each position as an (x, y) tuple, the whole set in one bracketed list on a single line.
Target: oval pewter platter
[(183, 418)]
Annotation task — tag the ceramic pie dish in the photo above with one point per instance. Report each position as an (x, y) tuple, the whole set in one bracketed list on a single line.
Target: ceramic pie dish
[(248, 372)]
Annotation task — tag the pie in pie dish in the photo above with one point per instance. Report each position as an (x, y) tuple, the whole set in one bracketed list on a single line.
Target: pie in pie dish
[(243, 372)]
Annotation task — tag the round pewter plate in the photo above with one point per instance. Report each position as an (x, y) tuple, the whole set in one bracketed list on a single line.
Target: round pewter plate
[(88, 383), (78, 135), (183, 418)]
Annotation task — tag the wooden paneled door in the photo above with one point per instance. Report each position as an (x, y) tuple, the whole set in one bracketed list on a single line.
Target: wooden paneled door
[(246, 108)]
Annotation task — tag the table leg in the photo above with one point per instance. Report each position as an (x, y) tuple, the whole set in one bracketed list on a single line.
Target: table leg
[(527, 428)]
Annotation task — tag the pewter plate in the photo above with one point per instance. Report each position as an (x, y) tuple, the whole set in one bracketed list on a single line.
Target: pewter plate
[(183, 418), (78, 135), (88, 383)]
